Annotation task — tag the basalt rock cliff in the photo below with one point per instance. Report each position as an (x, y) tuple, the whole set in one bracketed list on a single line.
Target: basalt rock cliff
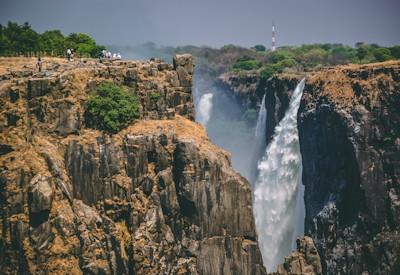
[(155, 198), (349, 130)]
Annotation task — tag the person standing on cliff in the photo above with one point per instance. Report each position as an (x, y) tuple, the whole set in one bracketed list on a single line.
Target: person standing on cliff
[(69, 54), (39, 64)]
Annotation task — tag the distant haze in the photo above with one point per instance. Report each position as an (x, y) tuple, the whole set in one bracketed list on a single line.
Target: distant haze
[(213, 22)]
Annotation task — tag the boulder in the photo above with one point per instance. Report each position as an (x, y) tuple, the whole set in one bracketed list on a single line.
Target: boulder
[(40, 194)]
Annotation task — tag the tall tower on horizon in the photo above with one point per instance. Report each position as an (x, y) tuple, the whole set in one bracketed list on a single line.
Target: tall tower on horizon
[(273, 47)]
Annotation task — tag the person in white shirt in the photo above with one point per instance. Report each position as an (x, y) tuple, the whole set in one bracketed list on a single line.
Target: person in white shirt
[(69, 54)]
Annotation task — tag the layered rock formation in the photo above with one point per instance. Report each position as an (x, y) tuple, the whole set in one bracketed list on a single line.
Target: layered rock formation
[(155, 198), (349, 127)]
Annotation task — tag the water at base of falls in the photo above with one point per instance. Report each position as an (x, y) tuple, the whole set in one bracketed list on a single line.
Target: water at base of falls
[(277, 204)]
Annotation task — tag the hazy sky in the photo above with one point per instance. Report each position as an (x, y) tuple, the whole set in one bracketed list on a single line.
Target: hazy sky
[(213, 22)]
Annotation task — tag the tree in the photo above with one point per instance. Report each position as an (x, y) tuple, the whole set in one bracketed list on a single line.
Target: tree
[(260, 48), (4, 43), (395, 51), (52, 41), (359, 44), (21, 38), (83, 44), (381, 54)]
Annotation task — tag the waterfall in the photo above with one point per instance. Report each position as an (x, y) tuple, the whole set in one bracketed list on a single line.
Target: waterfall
[(204, 108), (259, 141), (278, 186), (261, 121)]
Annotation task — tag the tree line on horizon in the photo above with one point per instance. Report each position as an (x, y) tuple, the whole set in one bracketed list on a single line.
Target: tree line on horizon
[(21, 39), (310, 57)]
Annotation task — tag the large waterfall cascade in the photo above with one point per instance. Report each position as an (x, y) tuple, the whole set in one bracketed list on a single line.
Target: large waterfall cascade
[(277, 204)]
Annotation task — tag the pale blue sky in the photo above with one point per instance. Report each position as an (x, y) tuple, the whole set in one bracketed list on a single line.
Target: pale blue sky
[(214, 22)]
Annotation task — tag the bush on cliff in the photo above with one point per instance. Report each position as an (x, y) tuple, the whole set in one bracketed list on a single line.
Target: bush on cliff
[(111, 107)]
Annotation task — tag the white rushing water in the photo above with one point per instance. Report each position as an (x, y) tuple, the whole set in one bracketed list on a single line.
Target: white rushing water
[(278, 185), (204, 108), (261, 121)]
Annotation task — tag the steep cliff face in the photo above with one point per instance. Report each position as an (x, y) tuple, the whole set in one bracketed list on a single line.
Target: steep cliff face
[(349, 127), (155, 198)]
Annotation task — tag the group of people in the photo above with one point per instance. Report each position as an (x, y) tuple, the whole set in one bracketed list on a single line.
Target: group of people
[(70, 54), (109, 55)]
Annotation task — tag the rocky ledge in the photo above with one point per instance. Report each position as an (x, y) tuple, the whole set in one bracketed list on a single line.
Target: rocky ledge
[(155, 198)]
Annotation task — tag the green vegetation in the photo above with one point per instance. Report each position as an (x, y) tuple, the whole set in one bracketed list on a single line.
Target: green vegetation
[(22, 39), (260, 48), (310, 57), (246, 63), (154, 96), (110, 107)]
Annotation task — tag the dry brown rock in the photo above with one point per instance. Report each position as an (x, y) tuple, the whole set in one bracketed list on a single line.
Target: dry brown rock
[(155, 198)]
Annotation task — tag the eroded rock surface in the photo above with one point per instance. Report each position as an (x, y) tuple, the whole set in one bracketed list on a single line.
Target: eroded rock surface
[(155, 198), (304, 260), (349, 122)]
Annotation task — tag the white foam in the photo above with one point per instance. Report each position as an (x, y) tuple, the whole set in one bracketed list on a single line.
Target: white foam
[(277, 188)]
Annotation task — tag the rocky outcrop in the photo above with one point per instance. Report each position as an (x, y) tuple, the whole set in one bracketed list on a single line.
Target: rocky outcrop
[(304, 260), (349, 123), (155, 198), (245, 86)]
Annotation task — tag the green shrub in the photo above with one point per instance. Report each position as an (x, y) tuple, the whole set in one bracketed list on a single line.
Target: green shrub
[(269, 70), (110, 107), (154, 96), (279, 55), (246, 65)]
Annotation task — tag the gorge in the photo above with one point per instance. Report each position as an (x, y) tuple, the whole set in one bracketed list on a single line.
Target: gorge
[(159, 197)]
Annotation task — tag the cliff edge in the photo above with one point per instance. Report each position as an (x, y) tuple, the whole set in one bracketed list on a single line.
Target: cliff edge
[(154, 198)]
